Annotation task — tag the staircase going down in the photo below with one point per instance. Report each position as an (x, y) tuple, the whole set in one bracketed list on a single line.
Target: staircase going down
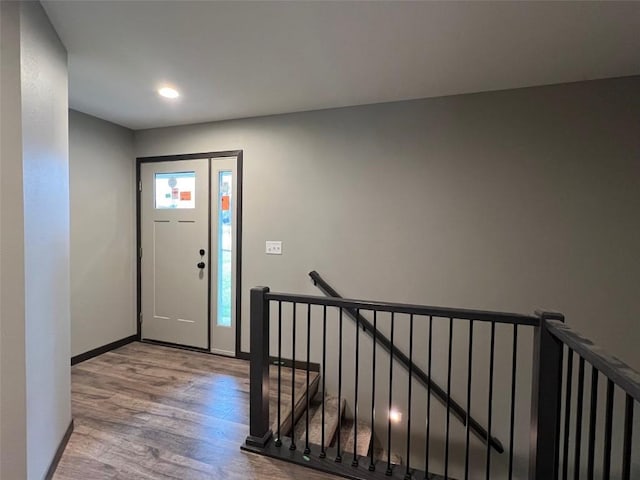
[(338, 428), (343, 450)]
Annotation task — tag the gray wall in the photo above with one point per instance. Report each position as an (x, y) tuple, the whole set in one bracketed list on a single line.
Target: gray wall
[(13, 435), (45, 140), (511, 200), (508, 200), (35, 257), (102, 188)]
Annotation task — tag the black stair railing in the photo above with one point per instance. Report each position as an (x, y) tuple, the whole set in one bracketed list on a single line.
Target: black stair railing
[(570, 435), (347, 459), (415, 371), (564, 453)]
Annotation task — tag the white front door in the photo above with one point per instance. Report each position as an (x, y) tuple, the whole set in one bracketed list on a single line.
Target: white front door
[(174, 223)]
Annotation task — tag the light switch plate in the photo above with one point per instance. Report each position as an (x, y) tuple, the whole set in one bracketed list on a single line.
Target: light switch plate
[(273, 247)]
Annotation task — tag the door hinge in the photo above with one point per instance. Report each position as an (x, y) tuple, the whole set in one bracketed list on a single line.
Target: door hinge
[(140, 318), (139, 185), (140, 252)]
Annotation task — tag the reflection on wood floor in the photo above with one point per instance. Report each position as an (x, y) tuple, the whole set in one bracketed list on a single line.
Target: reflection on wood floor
[(151, 412)]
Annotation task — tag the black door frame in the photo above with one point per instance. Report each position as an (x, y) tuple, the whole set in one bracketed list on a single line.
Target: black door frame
[(238, 243)]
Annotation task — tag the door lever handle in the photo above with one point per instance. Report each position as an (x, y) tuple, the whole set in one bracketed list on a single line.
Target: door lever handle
[(201, 265)]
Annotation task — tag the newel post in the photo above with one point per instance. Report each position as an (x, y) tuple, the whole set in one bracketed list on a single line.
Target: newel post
[(259, 427), (546, 401)]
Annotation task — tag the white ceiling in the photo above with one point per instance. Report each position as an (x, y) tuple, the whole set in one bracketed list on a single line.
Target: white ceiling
[(242, 59)]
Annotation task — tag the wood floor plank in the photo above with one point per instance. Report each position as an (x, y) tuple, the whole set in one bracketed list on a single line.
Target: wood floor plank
[(151, 412)]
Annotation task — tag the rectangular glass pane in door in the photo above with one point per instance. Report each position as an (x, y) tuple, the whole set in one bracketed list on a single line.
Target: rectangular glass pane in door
[(175, 190), (225, 237)]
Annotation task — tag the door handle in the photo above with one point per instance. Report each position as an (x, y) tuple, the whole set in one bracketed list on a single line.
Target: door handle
[(201, 265)]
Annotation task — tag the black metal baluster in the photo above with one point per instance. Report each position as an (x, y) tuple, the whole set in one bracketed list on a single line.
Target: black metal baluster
[(407, 474), (307, 450), (514, 359), (278, 442), (592, 422), (293, 381), (467, 422), (428, 432), (372, 465), (579, 398), (323, 453), (567, 415), (608, 427), (389, 471), (354, 462), (628, 434), (448, 417), (339, 434), (490, 414)]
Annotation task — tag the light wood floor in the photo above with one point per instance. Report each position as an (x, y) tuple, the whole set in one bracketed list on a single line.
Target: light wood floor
[(150, 412)]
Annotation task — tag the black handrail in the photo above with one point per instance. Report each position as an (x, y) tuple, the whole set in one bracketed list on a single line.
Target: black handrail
[(423, 310), (618, 375), (438, 391), (616, 370)]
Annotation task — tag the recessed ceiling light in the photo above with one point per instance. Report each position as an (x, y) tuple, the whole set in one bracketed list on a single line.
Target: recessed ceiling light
[(168, 92)]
